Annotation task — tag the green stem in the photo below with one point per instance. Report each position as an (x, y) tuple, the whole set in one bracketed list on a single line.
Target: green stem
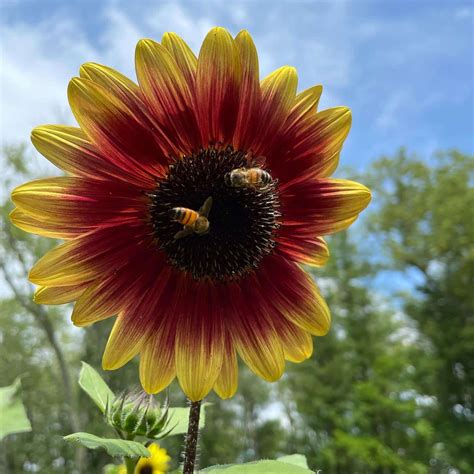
[(130, 463), (190, 449)]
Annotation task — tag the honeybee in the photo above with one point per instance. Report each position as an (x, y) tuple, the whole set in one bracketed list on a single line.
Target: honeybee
[(193, 221), (248, 177)]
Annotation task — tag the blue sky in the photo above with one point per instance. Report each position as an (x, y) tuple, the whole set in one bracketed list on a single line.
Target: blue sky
[(405, 67)]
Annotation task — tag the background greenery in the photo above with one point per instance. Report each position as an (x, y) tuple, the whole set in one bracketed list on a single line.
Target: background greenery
[(389, 390)]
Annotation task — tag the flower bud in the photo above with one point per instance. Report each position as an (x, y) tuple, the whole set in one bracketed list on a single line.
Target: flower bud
[(138, 414)]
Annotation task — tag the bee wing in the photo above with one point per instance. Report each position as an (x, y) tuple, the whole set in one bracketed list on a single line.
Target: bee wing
[(183, 233), (258, 161), (206, 207)]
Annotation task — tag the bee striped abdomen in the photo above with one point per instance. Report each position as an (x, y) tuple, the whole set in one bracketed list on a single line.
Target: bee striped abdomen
[(265, 177), (259, 176), (184, 215)]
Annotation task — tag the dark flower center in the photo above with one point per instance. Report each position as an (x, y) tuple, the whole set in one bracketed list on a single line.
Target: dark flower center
[(146, 469), (243, 219)]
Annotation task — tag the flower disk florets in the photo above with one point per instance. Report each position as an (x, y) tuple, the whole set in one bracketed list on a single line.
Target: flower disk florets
[(243, 219)]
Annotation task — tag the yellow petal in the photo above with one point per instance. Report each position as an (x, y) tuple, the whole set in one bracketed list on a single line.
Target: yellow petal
[(100, 301), (66, 147), (313, 316), (59, 294), (265, 357), (61, 267), (297, 343), (227, 381), (182, 54), (124, 343), (306, 103), (49, 198), (157, 359), (112, 80), (42, 227), (199, 345), (279, 90)]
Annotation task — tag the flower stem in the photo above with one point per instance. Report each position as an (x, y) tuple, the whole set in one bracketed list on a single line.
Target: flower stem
[(192, 438), (130, 464)]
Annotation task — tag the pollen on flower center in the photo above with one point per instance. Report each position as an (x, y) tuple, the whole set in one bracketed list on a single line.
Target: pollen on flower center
[(243, 220)]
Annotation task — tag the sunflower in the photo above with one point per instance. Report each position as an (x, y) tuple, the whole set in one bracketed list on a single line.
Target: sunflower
[(145, 159), (157, 463)]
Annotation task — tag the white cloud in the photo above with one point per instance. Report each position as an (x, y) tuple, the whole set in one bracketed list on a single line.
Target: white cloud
[(38, 60), (390, 113), (463, 13), (179, 19)]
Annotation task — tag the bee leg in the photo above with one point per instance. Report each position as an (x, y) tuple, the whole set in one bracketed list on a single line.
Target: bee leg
[(183, 233)]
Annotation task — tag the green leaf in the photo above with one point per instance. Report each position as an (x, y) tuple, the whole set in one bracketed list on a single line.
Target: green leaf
[(13, 414), (179, 419), (296, 459), (114, 447), (92, 383), (259, 467)]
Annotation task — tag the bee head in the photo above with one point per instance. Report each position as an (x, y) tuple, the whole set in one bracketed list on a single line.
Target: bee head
[(202, 225), (228, 178)]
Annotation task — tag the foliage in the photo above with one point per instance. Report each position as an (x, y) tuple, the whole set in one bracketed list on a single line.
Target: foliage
[(13, 414), (389, 389), (114, 446), (426, 221)]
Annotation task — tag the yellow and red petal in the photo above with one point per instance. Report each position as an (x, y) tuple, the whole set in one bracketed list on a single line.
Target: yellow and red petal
[(70, 149), (293, 293), (252, 329), (59, 294), (218, 83), (305, 105), (157, 359), (302, 248), (227, 381), (80, 204), (89, 256), (323, 206), (116, 130), (116, 83), (107, 296), (42, 227), (168, 94), (199, 339), (296, 342), (248, 113), (311, 147), (124, 343), (139, 320), (278, 97), (184, 57)]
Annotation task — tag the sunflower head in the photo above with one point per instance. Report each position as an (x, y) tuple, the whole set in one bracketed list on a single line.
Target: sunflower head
[(157, 463), (192, 199)]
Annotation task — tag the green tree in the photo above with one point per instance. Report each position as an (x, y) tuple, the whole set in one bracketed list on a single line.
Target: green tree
[(357, 397), (425, 220)]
